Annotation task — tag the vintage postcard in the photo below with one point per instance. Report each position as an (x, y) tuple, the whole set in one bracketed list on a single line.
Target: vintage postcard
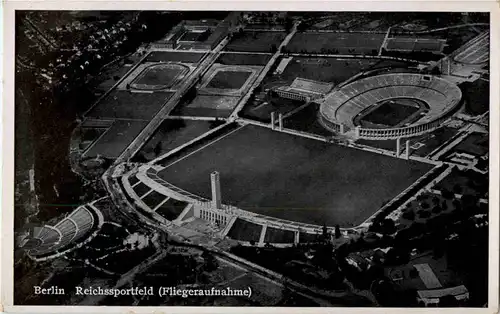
[(313, 157)]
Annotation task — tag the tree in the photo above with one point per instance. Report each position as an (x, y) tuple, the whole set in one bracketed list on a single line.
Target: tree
[(324, 232), (447, 194), (437, 209), (388, 226), (338, 234), (457, 189), (436, 70), (410, 215)]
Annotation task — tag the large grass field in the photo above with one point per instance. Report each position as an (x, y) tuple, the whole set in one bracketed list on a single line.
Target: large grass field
[(243, 59), (342, 43), (174, 56), (389, 113), (295, 178), (116, 139), (160, 76), (170, 134), (255, 41), (329, 70), (208, 106), (127, 105), (229, 79)]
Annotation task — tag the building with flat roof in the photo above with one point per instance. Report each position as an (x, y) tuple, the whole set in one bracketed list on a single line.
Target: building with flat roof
[(432, 297), (304, 89), (198, 34)]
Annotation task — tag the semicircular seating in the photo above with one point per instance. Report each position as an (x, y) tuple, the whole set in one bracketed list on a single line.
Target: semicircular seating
[(48, 238)]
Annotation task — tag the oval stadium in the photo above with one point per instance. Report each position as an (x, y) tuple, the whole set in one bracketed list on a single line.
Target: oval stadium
[(389, 106)]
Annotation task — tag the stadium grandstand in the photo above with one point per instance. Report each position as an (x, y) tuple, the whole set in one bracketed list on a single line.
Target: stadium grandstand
[(303, 89), (341, 109), (51, 241)]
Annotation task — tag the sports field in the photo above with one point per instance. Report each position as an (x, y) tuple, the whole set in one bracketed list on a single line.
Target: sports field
[(127, 105), (295, 178), (229, 58), (166, 56), (160, 76), (342, 43), (329, 70), (415, 44), (208, 106), (255, 41), (229, 79), (171, 134), (116, 139), (389, 113)]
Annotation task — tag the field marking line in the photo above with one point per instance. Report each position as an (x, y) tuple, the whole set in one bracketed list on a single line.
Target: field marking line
[(203, 147)]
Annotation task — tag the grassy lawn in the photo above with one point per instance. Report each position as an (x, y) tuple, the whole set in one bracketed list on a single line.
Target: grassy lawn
[(262, 112), (208, 106), (274, 235), (390, 113), (174, 56), (342, 43), (243, 59), (160, 76), (117, 138), (476, 144), (433, 140), (229, 79), (244, 230), (171, 209), (329, 70), (307, 120), (127, 105), (153, 199), (171, 134), (329, 184), (255, 41)]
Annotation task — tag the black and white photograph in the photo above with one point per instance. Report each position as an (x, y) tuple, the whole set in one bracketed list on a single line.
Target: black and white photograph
[(251, 158)]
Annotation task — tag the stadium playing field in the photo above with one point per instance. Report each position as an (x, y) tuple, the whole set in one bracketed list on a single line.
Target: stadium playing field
[(389, 113), (229, 79), (127, 105), (295, 178), (160, 76), (342, 43)]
